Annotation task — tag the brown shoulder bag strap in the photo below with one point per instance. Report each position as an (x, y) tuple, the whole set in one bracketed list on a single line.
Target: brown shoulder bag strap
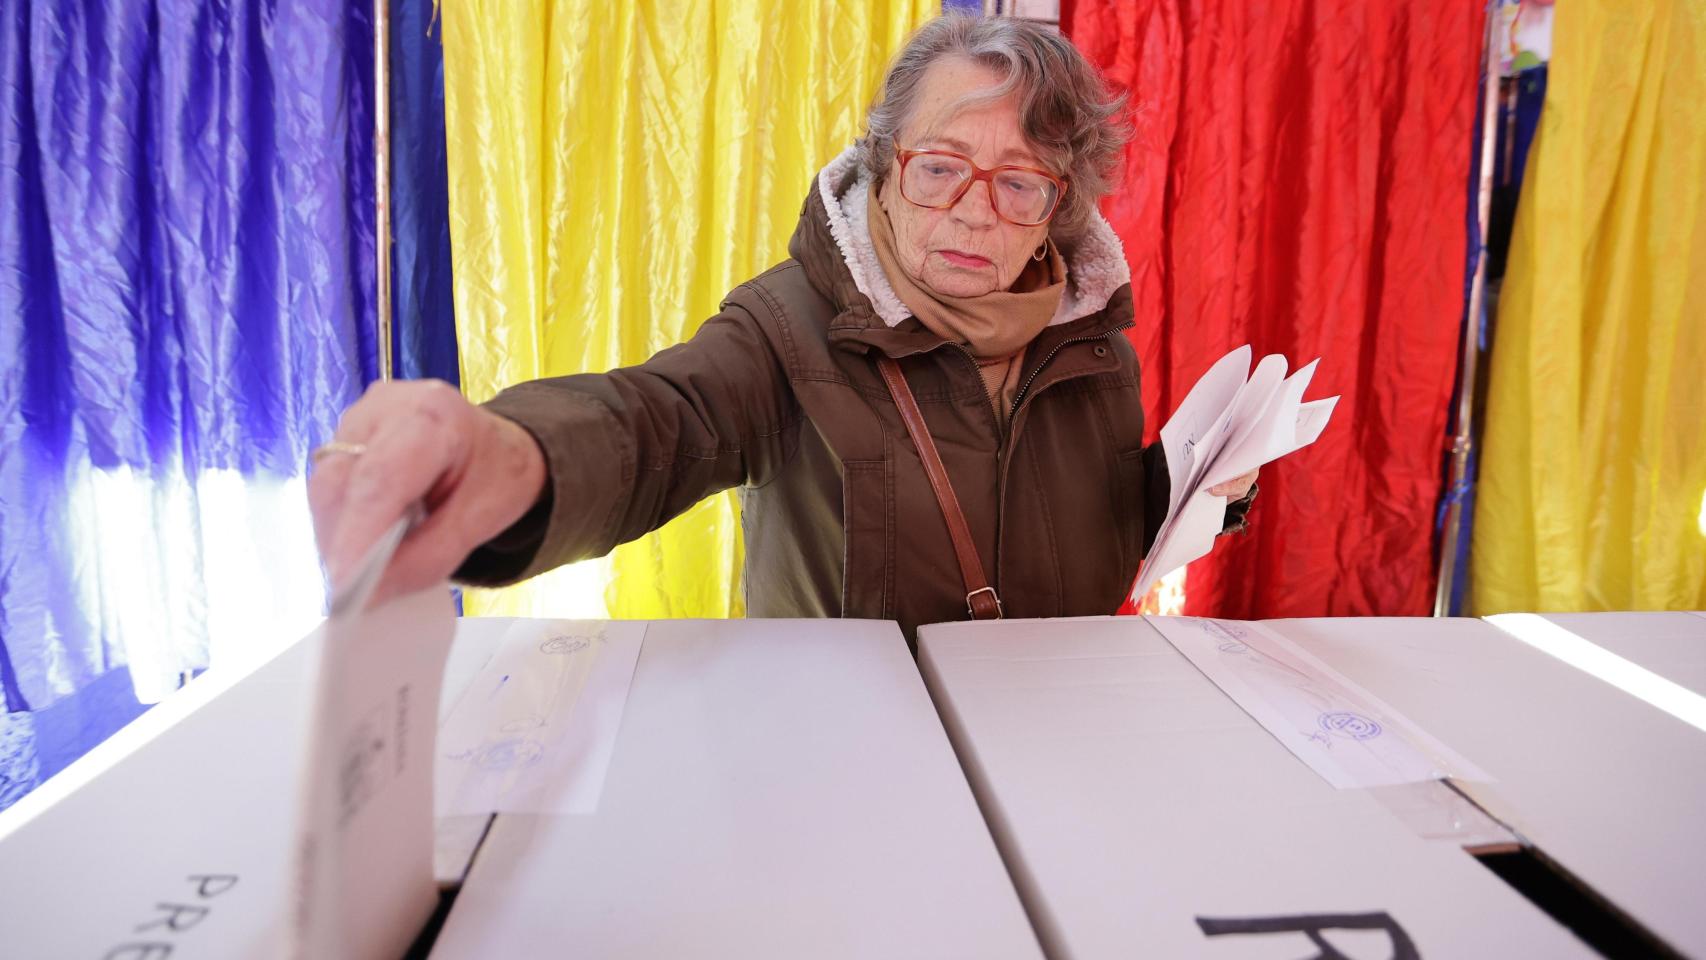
[(981, 601)]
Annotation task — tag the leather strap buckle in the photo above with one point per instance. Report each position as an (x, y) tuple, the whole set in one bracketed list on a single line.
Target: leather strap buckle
[(972, 607)]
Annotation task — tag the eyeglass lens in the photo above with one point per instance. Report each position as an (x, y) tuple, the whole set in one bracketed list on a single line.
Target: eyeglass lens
[(934, 180)]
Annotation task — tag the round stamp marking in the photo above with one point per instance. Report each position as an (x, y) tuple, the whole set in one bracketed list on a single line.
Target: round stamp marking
[(1231, 636), (565, 644), (1351, 726), (509, 754)]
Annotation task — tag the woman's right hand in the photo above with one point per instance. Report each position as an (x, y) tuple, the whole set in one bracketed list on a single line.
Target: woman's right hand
[(473, 472)]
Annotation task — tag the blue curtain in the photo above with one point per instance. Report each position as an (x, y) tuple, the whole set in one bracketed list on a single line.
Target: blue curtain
[(422, 302), (186, 306), (1520, 102)]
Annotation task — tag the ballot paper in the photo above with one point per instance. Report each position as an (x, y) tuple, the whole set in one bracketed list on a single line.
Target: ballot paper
[(1231, 422), (534, 731), (363, 864), (1342, 731), (275, 807)]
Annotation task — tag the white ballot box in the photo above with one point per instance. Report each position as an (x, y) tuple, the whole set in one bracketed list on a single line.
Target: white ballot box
[(1667, 644), (175, 837), (779, 789), (1608, 786), (1143, 812), (775, 788), (171, 839)]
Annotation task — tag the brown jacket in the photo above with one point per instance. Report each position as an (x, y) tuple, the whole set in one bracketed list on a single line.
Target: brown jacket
[(779, 395)]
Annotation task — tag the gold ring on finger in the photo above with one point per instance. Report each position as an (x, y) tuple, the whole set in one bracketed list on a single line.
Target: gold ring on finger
[(336, 447)]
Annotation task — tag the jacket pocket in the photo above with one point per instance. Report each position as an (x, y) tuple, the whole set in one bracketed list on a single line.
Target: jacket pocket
[(867, 517)]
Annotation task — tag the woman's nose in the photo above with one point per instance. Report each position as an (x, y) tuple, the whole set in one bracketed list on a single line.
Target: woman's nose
[(974, 208)]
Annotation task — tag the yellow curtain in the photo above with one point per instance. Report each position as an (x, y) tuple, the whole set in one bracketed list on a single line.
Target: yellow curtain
[(1593, 488), (616, 167)]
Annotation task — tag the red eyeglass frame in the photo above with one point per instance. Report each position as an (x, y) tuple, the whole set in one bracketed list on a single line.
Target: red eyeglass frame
[(987, 176)]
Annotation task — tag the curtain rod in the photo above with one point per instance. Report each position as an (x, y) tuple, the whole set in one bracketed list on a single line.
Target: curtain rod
[(382, 180), (1463, 439)]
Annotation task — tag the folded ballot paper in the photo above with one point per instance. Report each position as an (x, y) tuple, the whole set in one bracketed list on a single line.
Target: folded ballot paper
[(363, 868), (1232, 422)]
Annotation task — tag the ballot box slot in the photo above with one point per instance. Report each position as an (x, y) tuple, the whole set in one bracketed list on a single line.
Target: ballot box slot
[(1575, 905), (1562, 895), (422, 947)]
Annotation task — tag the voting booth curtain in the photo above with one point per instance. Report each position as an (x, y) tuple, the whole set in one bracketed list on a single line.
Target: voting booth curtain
[(186, 291), (1297, 182), (1593, 481), (614, 170), (423, 310)]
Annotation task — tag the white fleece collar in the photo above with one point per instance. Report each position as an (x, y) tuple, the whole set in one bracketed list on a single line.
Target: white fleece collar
[(1095, 267)]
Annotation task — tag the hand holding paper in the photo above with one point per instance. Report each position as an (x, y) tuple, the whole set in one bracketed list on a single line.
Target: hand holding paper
[(1235, 488), (1231, 423)]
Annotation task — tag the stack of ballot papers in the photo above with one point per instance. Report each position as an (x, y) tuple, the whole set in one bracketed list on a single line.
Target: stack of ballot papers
[(1232, 422)]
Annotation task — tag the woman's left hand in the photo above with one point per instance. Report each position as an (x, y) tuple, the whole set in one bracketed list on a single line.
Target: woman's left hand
[(1235, 489)]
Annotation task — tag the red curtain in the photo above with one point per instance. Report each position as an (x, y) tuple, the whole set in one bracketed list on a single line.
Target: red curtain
[(1299, 181)]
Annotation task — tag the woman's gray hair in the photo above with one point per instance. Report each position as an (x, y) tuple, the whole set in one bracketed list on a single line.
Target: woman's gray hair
[(1067, 112)]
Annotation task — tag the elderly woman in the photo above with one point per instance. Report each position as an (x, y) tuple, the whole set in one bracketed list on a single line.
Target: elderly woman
[(930, 409)]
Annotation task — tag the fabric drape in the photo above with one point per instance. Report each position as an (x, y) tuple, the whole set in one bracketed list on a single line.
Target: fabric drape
[(615, 169), (1520, 97), (422, 298), (186, 289), (1297, 181), (1593, 480)]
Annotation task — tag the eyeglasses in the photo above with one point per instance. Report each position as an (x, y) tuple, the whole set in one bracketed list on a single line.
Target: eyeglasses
[(935, 179)]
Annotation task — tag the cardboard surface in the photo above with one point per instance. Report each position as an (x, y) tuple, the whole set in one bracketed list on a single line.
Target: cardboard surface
[(535, 730), (1672, 644), (84, 876), (1603, 783), (1140, 811), (456, 838), (177, 832), (1343, 732), (778, 789)]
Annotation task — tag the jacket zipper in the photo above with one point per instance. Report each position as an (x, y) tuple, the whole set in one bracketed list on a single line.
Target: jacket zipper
[(1006, 454), (1004, 449), (978, 373), (1037, 372)]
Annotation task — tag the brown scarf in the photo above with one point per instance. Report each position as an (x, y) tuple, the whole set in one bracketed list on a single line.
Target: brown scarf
[(995, 327)]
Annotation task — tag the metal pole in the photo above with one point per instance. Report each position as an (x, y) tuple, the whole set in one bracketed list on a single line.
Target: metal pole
[(382, 178), (1463, 438)]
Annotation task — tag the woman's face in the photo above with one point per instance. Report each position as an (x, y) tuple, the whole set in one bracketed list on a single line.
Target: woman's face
[(964, 250)]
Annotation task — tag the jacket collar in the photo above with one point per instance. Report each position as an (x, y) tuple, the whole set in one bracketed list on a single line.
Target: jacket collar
[(833, 244)]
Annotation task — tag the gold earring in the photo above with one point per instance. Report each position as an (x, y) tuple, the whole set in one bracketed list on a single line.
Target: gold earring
[(1042, 252)]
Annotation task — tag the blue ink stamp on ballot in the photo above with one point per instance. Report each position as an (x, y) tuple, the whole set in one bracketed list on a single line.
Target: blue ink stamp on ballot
[(1351, 726)]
